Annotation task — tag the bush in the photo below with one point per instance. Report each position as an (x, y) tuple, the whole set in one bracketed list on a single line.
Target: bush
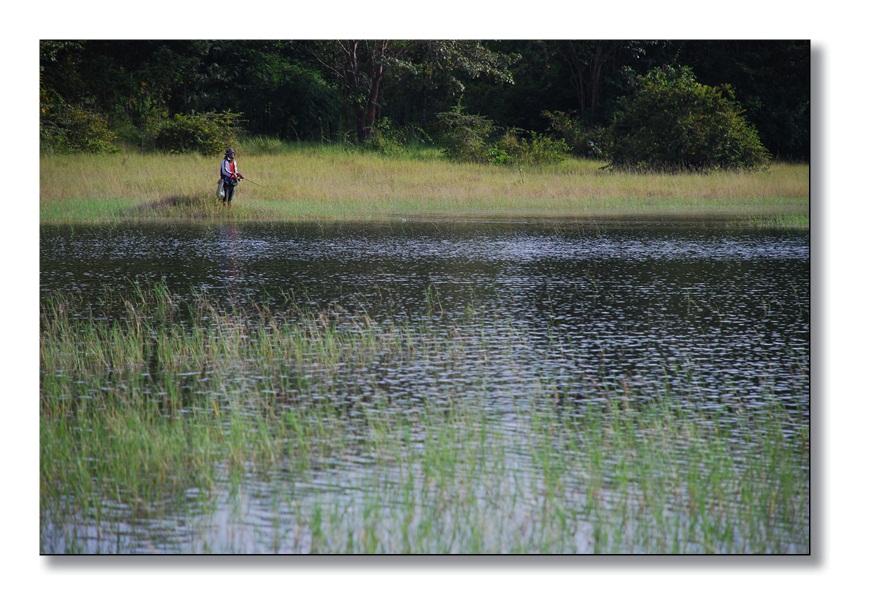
[(208, 133), (64, 128), (465, 138), (468, 138), (388, 139), (536, 150), (672, 123), (582, 140)]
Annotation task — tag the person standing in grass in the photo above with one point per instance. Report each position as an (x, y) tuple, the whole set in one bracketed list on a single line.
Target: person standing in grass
[(230, 175)]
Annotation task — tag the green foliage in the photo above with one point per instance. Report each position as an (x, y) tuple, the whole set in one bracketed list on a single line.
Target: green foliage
[(673, 123), (534, 150), (207, 133), (312, 106), (417, 74), (387, 139), (772, 81), (582, 140), (65, 128), (465, 137), (281, 99), (327, 90), (468, 138)]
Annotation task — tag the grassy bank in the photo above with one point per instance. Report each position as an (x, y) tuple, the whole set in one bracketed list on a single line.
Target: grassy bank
[(328, 183), (211, 416)]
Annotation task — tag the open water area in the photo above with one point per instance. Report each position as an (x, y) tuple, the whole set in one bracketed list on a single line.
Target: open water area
[(712, 317)]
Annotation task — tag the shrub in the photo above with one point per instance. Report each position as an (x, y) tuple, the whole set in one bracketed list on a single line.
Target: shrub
[(672, 122), (388, 139), (582, 140), (208, 133), (64, 128), (468, 138), (464, 137), (536, 150)]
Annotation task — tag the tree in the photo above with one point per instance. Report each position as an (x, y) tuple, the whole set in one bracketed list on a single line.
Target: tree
[(540, 80), (65, 126), (271, 85), (323, 90), (771, 80), (672, 122), (592, 63), (366, 69)]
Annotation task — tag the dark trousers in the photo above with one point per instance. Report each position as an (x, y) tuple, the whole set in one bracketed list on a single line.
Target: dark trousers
[(229, 188)]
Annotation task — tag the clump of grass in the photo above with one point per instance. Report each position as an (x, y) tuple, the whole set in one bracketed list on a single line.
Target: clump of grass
[(181, 206)]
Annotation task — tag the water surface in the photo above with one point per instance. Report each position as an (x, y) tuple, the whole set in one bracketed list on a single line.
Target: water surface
[(711, 316), (649, 305)]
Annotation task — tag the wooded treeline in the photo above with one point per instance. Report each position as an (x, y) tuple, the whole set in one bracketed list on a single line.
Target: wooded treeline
[(345, 91)]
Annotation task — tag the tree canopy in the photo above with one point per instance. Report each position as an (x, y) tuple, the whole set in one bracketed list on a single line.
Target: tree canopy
[(343, 90)]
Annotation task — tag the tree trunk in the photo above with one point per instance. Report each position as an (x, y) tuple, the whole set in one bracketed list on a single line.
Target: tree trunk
[(376, 80)]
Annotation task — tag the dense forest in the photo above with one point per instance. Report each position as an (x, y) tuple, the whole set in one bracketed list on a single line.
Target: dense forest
[(107, 91)]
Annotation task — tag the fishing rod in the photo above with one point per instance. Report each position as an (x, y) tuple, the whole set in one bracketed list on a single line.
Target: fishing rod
[(255, 183), (261, 186)]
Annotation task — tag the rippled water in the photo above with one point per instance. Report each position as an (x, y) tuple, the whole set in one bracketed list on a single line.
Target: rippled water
[(719, 315), (727, 310)]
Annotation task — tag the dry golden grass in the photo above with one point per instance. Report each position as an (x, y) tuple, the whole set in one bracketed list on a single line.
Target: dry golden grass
[(325, 182)]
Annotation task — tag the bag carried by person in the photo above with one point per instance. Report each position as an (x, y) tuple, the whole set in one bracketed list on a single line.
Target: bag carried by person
[(220, 189)]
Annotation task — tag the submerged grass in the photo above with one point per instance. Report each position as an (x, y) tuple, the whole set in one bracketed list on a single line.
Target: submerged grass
[(332, 184), (249, 429)]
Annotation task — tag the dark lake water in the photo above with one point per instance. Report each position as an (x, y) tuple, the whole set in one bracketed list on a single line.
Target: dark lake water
[(718, 316), (725, 312)]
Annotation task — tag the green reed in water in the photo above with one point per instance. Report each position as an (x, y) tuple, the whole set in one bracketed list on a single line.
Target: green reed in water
[(185, 409)]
